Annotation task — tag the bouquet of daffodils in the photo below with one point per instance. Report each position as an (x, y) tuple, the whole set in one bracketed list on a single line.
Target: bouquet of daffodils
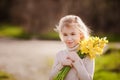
[(89, 47)]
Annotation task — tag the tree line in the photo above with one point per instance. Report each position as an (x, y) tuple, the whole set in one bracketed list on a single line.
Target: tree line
[(37, 16)]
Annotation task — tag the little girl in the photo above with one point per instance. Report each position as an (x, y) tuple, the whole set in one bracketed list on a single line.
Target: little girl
[(72, 30)]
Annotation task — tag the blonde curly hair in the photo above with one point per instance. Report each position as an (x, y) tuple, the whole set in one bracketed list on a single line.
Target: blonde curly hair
[(73, 20)]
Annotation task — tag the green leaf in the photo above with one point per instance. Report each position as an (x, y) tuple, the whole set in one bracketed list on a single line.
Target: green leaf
[(81, 55)]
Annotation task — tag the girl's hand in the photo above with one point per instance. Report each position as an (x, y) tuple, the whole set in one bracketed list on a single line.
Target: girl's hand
[(75, 59), (73, 56), (65, 61)]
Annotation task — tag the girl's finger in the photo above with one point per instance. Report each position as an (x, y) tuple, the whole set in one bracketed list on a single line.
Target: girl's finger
[(71, 58), (70, 63)]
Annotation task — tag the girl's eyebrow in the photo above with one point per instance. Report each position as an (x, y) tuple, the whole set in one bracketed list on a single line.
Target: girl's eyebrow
[(64, 33), (73, 32)]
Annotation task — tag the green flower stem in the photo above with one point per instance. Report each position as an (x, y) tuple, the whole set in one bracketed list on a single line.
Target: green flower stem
[(63, 72)]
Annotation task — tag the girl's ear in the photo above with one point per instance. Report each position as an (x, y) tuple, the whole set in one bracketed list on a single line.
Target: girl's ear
[(81, 36)]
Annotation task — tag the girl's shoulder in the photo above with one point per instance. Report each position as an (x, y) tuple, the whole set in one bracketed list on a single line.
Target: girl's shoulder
[(62, 52), (87, 60)]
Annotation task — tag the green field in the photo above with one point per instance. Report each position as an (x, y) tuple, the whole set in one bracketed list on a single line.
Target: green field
[(18, 32), (107, 66)]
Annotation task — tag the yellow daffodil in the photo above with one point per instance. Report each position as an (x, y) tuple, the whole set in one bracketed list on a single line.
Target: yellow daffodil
[(93, 46)]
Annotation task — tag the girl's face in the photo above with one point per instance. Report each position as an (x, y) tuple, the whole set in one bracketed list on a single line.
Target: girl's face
[(71, 36)]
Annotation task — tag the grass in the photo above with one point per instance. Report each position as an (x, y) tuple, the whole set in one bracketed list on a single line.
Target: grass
[(105, 75), (11, 31), (110, 36), (108, 66), (114, 37), (49, 36), (18, 33), (6, 76)]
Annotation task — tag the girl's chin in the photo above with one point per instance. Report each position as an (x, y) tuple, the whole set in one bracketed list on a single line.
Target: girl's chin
[(70, 46)]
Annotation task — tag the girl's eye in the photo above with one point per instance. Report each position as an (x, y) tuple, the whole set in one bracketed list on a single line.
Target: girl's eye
[(73, 34), (64, 34)]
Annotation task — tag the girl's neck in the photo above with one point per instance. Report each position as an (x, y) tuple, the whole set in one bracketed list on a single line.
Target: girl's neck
[(73, 48)]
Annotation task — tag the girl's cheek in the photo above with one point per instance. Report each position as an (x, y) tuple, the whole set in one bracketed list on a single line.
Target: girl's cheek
[(64, 39)]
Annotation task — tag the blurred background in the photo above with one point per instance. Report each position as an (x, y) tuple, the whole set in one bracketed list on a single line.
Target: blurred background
[(28, 43)]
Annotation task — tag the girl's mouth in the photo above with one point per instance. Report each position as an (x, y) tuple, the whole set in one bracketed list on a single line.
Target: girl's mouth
[(69, 43)]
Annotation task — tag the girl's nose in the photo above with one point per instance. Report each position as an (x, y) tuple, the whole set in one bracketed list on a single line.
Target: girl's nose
[(69, 38)]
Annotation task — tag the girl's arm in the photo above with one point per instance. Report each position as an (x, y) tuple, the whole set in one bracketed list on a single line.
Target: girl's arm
[(56, 67), (85, 69)]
